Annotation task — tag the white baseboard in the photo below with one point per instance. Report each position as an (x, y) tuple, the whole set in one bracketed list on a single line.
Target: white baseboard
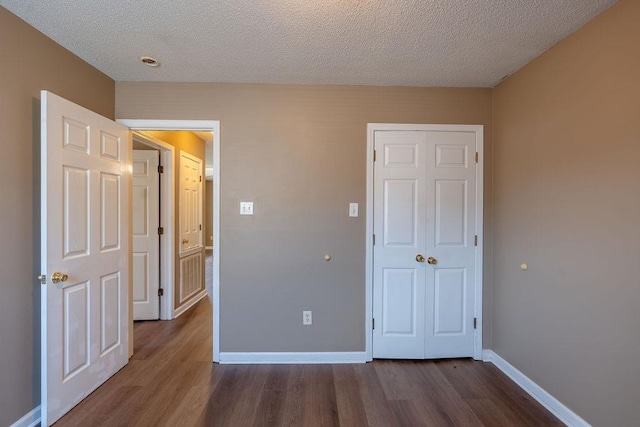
[(554, 406), (293, 357), (178, 311), (31, 419)]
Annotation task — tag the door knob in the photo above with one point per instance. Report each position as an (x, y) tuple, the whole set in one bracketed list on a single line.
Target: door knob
[(58, 277), (431, 260), (419, 258)]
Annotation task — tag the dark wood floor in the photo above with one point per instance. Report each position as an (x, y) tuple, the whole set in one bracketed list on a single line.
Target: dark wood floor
[(170, 381)]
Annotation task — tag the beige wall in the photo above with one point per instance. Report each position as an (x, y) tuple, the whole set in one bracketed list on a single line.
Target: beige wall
[(298, 152), (567, 202), (189, 143), (30, 62)]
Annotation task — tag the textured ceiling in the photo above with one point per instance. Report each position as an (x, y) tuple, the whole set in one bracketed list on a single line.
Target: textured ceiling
[(361, 42)]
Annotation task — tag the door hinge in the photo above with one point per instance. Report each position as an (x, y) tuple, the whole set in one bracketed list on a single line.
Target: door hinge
[(160, 292), (200, 226), (374, 240), (475, 323), (373, 323), (476, 157), (475, 240), (200, 178), (160, 230), (160, 169), (42, 278), (374, 155)]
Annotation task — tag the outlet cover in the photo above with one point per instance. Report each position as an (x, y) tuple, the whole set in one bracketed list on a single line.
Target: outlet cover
[(307, 318)]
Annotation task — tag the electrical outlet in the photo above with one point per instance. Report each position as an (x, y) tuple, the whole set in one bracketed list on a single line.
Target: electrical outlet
[(307, 319)]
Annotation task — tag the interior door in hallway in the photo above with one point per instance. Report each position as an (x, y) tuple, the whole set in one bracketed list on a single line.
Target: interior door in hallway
[(85, 186), (146, 240), (190, 210), (424, 252)]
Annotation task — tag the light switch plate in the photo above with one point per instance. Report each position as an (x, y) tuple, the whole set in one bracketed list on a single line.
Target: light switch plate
[(246, 208), (353, 209)]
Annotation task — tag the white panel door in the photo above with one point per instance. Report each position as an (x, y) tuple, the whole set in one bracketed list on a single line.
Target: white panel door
[(146, 241), (424, 259), (190, 202), (451, 230), (399, 223), (84, 253)]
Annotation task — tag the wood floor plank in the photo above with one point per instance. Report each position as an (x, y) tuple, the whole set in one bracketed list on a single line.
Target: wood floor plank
[(320, 405), (350, 407), (271, 405), (436, 388), (378, 408), (293, 411), (171, 381), (415, 413)]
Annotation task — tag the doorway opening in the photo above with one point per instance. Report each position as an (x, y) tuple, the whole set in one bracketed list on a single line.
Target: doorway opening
[(204, 129), (152, 227)]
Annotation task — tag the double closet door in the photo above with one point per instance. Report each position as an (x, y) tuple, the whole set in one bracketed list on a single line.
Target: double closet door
[(425, 226)]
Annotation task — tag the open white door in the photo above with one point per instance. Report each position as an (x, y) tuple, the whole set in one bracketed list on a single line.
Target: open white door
[(146, 240), (85, 208)]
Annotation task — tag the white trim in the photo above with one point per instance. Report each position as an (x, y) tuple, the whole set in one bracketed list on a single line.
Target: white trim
[(554, 406), (368, 275), (31, 419), (293, 357), (371, 128), (479, 252), (167, 211), (213, 126), (191, 251), (190, 303), (203, 125), (44, 373)]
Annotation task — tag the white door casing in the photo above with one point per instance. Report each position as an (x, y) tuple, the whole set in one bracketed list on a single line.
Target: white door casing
[(144, 226), (85, 185), (190, 208), (425, 201)]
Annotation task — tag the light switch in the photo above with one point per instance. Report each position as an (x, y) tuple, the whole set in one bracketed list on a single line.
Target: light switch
[(246, 208), (353, 209)]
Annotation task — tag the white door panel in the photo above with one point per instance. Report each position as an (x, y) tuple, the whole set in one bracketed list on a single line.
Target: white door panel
[(190, 202), (450, 239), (424, 204), (146, 242), (399, 288), (85, 204)]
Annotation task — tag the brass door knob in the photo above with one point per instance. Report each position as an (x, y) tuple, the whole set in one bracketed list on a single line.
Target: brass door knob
[(58, 277), (431, 260), (419, 258)]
